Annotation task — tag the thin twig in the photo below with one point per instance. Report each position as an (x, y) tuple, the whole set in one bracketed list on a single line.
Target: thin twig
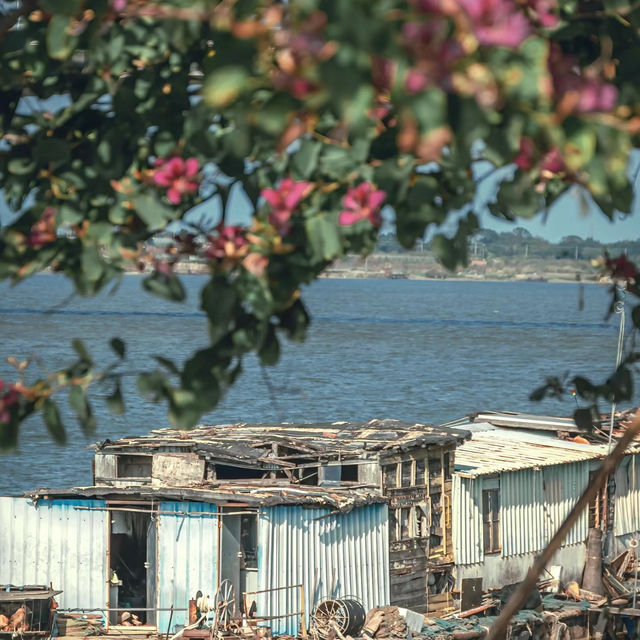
[(498, 629)]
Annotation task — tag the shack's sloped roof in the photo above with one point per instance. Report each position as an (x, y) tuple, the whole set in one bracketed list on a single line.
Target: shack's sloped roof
[(253, 445), (503, 441), (496, 450), (244, 443), (249, 493)]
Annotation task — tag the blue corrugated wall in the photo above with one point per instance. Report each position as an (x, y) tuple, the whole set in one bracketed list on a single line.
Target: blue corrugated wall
[(187, 547), (332, 556), (56, 543)]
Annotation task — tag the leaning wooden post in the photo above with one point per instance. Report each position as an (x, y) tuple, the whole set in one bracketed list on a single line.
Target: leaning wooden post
[(498, 630)]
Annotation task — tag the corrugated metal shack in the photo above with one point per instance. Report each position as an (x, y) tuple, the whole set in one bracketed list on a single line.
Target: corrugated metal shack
[(514, 483), (286, 514)]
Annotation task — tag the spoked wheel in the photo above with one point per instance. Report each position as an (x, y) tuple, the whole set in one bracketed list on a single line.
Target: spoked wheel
[(328, 616), (224, 602)]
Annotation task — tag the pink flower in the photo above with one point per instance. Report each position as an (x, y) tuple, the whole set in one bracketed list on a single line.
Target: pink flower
[(415, 81), (177, 176), (230, 244), (119, 5), (553, 162), (621, 268), (8, 397), (433, 52), (362, 203), (44, 230), (283, 201), (497, 22), (583, 89), (544, 12), (382, 72), (524, 159)]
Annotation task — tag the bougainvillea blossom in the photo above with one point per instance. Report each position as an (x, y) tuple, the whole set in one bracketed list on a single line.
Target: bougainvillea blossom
[(230, 243), (8, 397), (44, 230), (497, 23), (284, 201), (177, 176), (362, 203), (581, 90), (621, 268)]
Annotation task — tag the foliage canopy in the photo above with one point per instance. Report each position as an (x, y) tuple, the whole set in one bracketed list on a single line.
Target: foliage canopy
[(322, 112)]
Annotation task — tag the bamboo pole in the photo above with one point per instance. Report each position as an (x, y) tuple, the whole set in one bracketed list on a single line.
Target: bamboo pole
[(498, 630)]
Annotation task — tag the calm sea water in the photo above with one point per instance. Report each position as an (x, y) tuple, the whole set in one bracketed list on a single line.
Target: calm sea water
[(413, 350)]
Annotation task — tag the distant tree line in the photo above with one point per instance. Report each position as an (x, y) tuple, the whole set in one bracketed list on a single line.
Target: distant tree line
[(521, 243)]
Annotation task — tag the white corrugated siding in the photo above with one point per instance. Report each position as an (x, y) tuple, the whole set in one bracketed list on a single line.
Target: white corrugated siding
[(187, 552), (467, 520), (627, 496), (521, 512), (339, 555), (563, 485), (58, 544)]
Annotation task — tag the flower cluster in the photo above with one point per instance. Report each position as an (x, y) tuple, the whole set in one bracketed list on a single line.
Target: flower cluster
[(362, 203), (230, 243), (44, 230), (549, 164), (295, 51), (177, 176), (9, 396), (283, 201), (621, 268), (579, 90)]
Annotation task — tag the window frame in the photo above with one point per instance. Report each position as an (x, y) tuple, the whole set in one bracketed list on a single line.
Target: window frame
[(491, 521)]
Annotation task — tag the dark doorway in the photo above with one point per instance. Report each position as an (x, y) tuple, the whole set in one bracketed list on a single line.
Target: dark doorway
[(132, 551)]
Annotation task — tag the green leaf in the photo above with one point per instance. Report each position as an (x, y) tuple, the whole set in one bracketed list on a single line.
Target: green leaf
[(166, 286), (635, 316), (80, 404), (305, 159), (269, 351), (295, 321), (184, 410), (152, 212), (53, 422), (169, 365), (51, 150), (118, 347), (115, 401), (219, 301), (60, 44), (324, 237), (153, 385), (82, 351), (224, 85)]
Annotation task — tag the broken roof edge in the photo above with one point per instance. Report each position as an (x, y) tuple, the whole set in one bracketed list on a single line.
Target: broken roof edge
[(337, 499), (382, 436)]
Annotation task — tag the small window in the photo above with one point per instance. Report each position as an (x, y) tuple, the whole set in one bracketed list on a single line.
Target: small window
[(390, 476), (407, 473), (405, 524), (491, 520), (394, 534), (421, 470), (130, 466), (349, 473), (421, 522), (447, 465)]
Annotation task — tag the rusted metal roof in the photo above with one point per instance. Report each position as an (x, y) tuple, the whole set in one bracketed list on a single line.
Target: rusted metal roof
[(251, 493), (244, 442)]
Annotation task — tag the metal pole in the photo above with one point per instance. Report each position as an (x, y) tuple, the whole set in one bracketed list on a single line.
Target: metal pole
[(618, 309), (635, 580), (170, 620)]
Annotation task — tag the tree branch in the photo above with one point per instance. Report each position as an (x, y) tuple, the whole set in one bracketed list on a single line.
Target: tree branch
[(498, 630)]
